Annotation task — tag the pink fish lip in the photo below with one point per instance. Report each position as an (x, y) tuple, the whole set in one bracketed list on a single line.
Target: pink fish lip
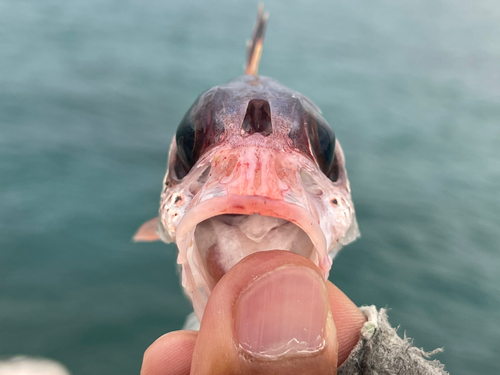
[(249, 205)]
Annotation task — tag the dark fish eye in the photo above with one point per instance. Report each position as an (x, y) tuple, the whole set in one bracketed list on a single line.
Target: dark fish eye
[(198, 131), (322, 143), (311, 134), (185, 138), (190, 138)]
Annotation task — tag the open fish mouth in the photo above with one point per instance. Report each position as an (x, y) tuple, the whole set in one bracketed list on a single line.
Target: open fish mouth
[(218, 233), (224, 240)]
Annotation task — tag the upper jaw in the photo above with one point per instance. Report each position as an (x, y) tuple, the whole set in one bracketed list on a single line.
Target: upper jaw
[(253, 180)]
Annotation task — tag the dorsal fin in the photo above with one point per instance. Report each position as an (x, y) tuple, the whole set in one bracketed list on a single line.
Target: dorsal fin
[(254, 46)]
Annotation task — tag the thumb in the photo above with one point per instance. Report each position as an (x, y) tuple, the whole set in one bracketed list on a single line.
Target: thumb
[(270, 314)]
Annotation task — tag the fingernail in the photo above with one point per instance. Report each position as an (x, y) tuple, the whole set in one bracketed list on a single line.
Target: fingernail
[(283, 313)]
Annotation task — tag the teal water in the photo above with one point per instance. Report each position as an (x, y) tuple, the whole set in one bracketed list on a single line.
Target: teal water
[(91, 93)]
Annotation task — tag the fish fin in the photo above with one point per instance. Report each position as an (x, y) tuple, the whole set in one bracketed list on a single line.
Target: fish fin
[(254, 45), (147, 232)]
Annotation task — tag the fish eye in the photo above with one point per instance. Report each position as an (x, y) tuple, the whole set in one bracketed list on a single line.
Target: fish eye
[(198, 131), (322, 144), (189, 138), (185, 139)]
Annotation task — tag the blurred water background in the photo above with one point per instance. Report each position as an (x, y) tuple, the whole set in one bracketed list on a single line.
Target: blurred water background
[(91, 92)]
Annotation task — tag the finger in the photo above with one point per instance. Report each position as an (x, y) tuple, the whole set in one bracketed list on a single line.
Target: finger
[(171, 354), (270, 314), (348, 320)]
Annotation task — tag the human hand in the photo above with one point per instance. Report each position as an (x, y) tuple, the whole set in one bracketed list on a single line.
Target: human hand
[(272, 313)]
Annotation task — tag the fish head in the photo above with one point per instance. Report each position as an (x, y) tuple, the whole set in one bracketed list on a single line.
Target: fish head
[(253, 167)]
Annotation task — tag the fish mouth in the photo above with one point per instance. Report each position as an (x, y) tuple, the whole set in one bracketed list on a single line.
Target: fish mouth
[(216, 234), (224, 240)]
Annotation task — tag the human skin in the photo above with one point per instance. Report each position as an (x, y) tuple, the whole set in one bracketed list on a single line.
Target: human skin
[(272, 313)]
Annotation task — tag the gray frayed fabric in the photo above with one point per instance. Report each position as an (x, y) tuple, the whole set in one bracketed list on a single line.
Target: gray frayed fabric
[(381, 351)]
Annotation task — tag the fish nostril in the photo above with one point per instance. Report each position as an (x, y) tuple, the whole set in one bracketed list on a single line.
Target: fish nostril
[(258, 118)]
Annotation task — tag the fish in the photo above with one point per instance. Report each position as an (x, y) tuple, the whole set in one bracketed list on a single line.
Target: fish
[(253, 166)]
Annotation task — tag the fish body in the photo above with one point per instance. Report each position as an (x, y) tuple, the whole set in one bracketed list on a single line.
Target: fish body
[(253, 166)]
